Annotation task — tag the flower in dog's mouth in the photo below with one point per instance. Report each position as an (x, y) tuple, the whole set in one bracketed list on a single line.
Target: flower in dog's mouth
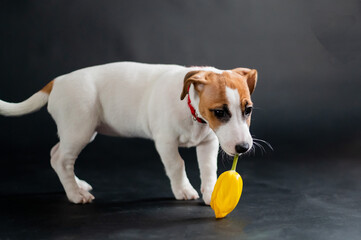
[(227, 191)]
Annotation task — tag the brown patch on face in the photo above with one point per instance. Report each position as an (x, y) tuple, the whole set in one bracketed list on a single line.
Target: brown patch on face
[(47, 89), (212, 96), (246, 103), (240, 83), (213, 93), (245, 87)]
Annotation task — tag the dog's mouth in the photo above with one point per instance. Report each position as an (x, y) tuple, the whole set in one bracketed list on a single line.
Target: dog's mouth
[(232, 154), (228, 153)]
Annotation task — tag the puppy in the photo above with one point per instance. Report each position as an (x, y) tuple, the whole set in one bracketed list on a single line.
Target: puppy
[(173, 105)]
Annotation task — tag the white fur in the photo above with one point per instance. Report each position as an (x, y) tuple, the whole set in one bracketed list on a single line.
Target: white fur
[(132, 100), (32, 104), (125, 99), (236, 130)]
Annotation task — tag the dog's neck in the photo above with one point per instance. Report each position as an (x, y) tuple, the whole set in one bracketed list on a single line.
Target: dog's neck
[(193, 110)]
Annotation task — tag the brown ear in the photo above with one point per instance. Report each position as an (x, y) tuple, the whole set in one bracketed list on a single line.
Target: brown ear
[(252, 80), (242, 71), (192, 77), (251, 76)]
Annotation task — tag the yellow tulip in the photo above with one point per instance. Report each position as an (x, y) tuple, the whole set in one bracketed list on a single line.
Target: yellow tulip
[(227, 191)]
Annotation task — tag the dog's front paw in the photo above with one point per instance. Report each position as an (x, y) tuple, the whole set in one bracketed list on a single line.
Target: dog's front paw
[(207, 195), (207, 192), (185, 192)]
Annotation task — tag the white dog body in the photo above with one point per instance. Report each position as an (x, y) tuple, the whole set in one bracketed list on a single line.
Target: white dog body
[(142, 100)]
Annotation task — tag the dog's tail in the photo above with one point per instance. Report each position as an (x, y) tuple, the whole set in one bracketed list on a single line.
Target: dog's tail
[(32, 104)]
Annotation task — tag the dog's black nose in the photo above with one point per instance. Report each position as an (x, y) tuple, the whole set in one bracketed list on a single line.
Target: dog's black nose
[(242, 147)]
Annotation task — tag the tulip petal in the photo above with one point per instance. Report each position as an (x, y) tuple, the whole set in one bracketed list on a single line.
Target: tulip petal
[(226, 193)]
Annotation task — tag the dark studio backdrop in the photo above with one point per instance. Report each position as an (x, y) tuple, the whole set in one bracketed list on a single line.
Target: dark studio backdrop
[(308, 57), (307, 53)]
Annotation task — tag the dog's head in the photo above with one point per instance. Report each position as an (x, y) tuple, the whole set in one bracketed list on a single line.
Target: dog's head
[(223, 99)]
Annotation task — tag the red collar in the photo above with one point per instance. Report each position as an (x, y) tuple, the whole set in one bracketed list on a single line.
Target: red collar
[(193, 111)]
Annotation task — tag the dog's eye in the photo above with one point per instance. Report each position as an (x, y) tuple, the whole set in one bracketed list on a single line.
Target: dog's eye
[(219, 113), (248, 111), (223, 114)]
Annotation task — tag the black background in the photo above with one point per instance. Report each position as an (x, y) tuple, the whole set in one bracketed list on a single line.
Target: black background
[(307, 53), (308, 58)]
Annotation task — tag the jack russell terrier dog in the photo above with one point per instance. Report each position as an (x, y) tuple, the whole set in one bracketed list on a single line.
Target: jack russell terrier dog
[(142, 100)]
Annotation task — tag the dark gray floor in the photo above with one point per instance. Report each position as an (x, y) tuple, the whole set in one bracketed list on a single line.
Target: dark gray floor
[(295, 198)]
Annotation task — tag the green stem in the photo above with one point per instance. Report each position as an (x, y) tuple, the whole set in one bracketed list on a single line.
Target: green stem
[(235, 160)]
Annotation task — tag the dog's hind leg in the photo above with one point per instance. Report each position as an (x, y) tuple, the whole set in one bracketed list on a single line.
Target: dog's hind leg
[(54, 150), (74, 106), (81, 183), (63, 161), (75, 132)]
